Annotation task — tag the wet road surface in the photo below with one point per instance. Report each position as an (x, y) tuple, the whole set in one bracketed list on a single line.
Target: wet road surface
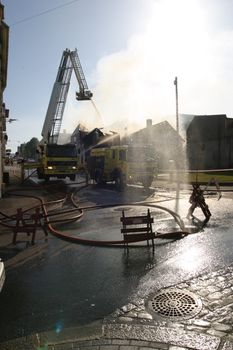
[(66, 284)]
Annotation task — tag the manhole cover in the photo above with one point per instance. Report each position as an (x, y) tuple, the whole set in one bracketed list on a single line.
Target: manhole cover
[(175, 304)]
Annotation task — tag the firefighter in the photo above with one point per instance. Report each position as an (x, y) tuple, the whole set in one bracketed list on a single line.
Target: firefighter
[(197, 200)]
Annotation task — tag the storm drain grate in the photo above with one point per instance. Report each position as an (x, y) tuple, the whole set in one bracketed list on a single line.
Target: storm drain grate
[(175, 304)]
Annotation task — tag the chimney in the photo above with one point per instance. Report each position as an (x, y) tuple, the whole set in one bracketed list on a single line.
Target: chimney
[(1, 11), (149, 123)]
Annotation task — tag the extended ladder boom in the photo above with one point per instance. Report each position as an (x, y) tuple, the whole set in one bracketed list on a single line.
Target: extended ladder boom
[(84, 93), (54, 115)]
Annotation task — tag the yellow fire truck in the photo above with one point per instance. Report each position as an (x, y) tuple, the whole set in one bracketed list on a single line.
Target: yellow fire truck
[(58, 160), (122, 165)]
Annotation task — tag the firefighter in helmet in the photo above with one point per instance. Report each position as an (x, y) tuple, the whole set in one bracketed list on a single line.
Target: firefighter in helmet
[(197, 200)]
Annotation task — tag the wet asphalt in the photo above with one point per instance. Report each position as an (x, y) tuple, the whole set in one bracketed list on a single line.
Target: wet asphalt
[(61, 285)]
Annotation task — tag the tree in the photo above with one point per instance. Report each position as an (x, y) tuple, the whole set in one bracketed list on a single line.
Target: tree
[(30, 147)]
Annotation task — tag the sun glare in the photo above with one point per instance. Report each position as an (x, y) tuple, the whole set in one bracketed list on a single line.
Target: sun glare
[(175, 34), (137, 82), (191, 259)]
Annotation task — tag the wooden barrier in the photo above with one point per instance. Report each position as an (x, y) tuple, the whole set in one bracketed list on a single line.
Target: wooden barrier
[(140, 228), (27, 224)]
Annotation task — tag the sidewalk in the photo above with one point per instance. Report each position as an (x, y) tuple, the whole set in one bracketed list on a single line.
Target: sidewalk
[(134, 327), (140, 327)]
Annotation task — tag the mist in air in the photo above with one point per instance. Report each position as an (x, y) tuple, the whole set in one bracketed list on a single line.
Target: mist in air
[(136, 83)]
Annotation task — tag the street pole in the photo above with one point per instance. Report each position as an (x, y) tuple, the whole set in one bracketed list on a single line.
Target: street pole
[(177, 112), (177, 129)]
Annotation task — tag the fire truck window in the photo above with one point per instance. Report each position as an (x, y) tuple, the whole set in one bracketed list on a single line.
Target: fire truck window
[(122, 155)]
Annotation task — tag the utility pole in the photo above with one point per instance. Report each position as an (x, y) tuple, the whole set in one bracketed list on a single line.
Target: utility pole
[(177, 112), (177, 129)]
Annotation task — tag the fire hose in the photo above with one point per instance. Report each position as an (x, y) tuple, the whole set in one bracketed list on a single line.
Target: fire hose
[(50, 219)]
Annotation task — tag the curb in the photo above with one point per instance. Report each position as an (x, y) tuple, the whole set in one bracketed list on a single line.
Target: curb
[(118, 336)]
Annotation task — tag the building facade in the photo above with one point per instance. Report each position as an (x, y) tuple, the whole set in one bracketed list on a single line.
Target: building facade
[(210, 142), (85, 140), (167, 144), (4, 39)]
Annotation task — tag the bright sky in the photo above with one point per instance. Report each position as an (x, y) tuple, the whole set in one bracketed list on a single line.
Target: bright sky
[(130, 50)]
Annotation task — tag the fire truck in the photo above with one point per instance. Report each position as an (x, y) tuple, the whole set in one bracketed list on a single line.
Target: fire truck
[(56, 160), (122, 165)]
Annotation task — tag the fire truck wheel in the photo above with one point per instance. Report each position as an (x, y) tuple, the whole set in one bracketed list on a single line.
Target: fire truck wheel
[(119, 182), (147, 182), (39, 174), (98, 176)]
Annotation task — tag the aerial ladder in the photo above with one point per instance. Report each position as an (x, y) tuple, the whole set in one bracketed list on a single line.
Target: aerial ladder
[(55, 160), (70, 61)]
